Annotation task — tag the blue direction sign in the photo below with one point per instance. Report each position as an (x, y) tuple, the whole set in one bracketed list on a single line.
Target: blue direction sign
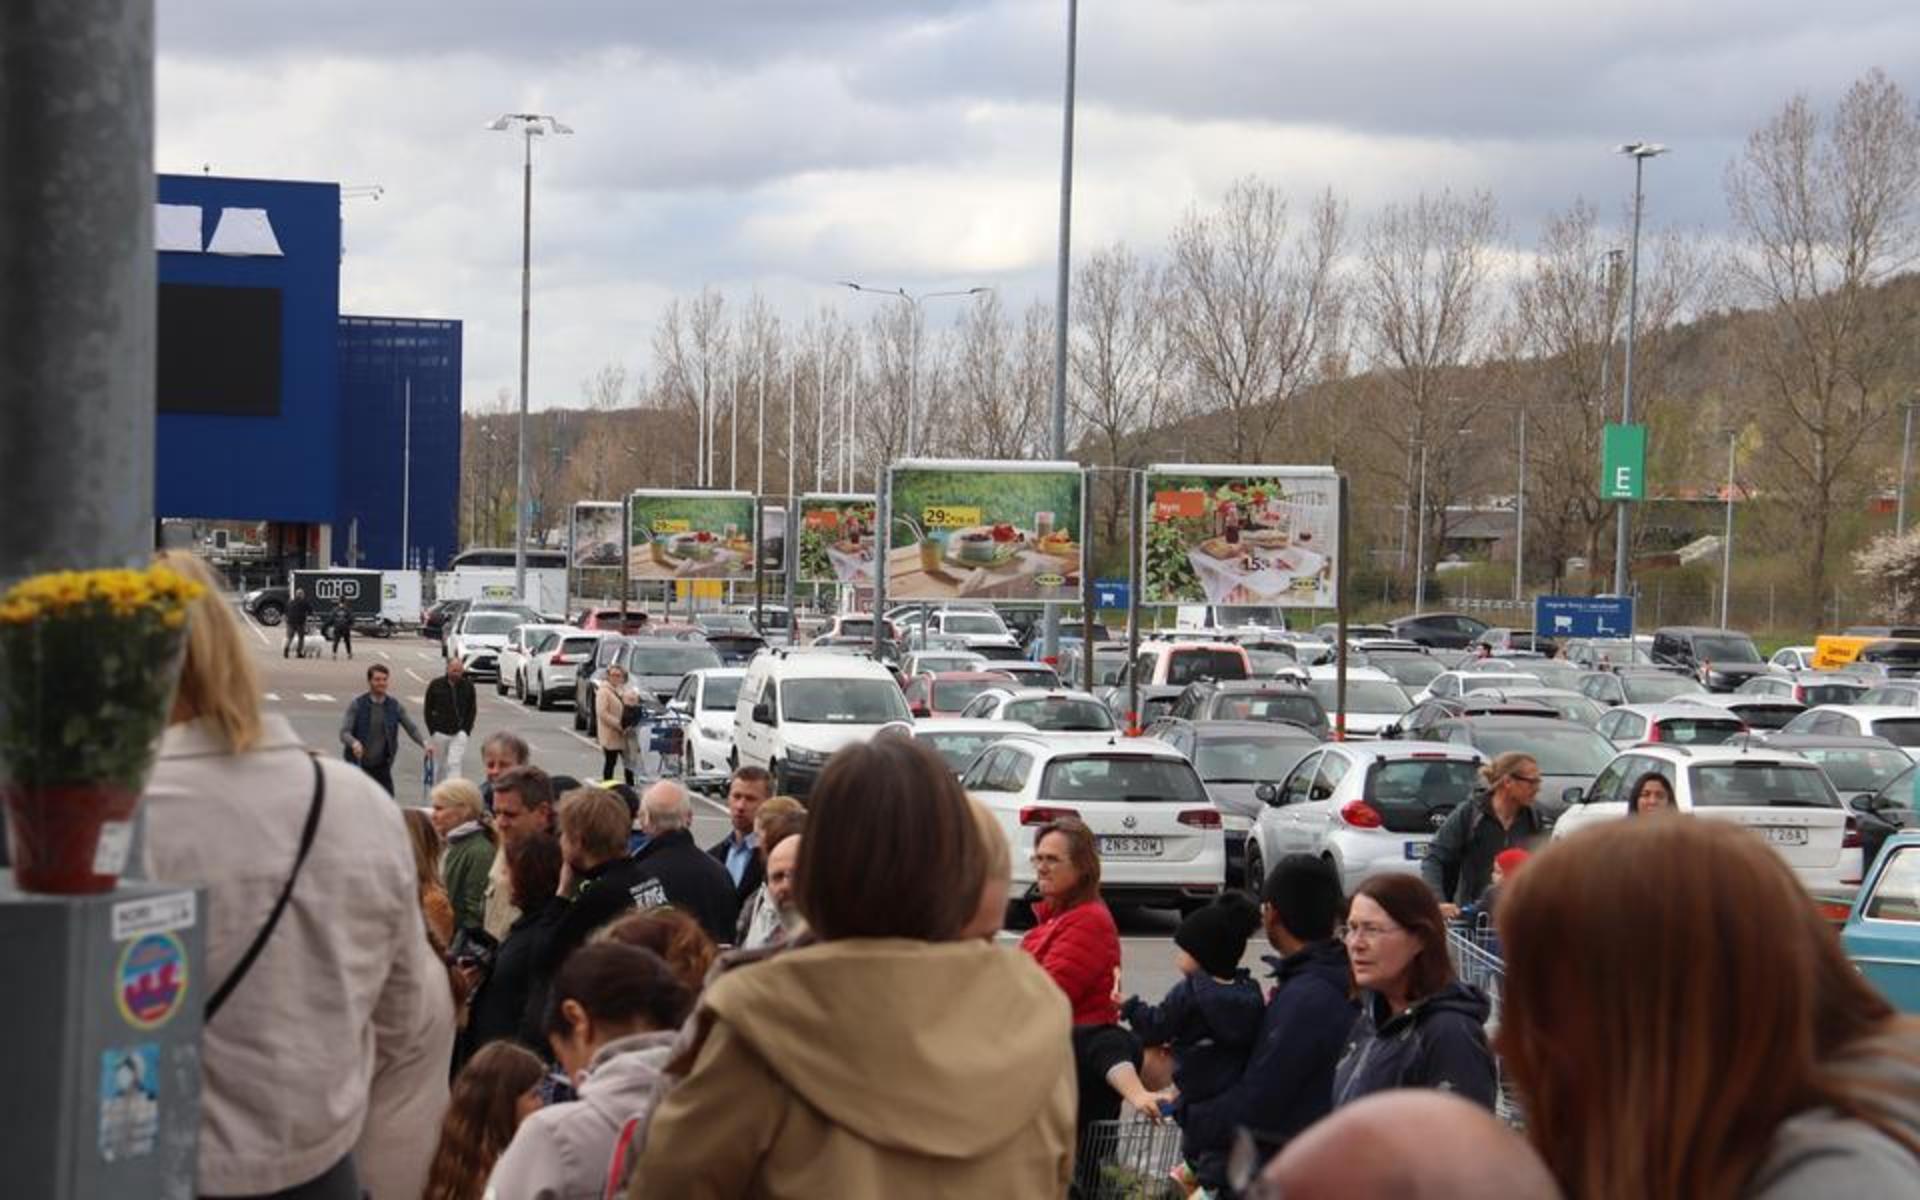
[(1112, 593), (1583, 616)]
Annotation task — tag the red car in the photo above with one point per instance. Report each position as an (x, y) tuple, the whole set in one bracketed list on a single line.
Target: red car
[(608, 620), (945, 693)]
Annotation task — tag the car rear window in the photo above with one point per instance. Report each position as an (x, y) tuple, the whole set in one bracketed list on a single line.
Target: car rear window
[(1901, 731), (1830, 693), (1061, 714), (1698, 731), (1298, 707), (1249, 759), (975, 623), (1768, 716), (953, 696), (1649, 689), (1121, 779), (1760, 785), (1896, 896), (670, 659), (581, 647), (1858, 768), (1363, 696), (1413, 795), (1187, 666)]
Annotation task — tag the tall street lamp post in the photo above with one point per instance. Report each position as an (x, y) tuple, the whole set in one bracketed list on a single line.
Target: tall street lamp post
[(1906, 460), (1640, 152), (913, 304), (531, 125), (1726, 539)]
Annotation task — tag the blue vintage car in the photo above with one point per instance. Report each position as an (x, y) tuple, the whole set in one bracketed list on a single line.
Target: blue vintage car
[(1882, 934)]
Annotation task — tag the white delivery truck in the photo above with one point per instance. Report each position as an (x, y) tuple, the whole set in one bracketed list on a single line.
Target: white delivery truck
[(546, 587)]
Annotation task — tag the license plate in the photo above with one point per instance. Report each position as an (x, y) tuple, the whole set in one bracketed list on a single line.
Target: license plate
[(1130, 847), (1784, 835), (1418, 849)]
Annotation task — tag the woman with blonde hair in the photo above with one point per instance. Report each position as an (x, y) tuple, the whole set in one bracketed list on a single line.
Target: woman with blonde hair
[(1722, 1049), (461, 819), (1459, 861), (329, 1023)]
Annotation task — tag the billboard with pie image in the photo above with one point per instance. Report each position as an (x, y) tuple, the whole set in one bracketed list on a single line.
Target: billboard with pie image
[(839, 538), (1241, 535), (1008, 531), (674, 535)]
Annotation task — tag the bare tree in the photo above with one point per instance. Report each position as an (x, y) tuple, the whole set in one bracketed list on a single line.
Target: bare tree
[(1122, 357), (1826, 210), (1255, 303), (691, 347)]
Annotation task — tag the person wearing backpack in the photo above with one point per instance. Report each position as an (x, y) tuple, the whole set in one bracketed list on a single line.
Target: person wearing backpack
[(1459, 862)]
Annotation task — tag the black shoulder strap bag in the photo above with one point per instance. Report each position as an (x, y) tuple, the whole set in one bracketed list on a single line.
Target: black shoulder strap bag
[(245, 964)]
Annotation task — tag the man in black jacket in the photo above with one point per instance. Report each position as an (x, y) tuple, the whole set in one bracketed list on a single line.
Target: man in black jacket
[(451, 707), (739, 851), (673, 870), (1459, 862), (298, 610)]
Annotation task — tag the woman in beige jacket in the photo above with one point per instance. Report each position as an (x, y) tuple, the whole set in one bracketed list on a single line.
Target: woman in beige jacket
[(618, 743), (327, 1067), (891, 1058)]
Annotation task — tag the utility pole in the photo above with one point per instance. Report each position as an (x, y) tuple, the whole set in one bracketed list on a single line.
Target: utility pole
[(1062, 293), (1520, 518), (1640, 153), (1906, 459)]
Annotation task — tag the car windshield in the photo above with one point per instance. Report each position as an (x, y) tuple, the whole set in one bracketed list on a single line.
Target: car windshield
[(1858, 768), (1363, 696), (1100, 778), (1650, 689), (1830, 693), (1901, 731), (1558, 751), (1061, 714), (842, 702), (1760, 785), (952, 695), (670, 658), (1266, 662), (1570, 708), (1888, 695), (1699, 731), (1721, 648), (1616, 653), (1472, 682), (726, 623), (1248, 759), (928, 664), (961, 748), (492, 623), (1291, 705), (1408, 670), (1186, 666), (1767, 716), (1152, 707), (723, 691), (973, 623)]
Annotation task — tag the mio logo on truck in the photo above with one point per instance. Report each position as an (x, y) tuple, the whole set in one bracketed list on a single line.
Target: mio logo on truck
[(336, 589)]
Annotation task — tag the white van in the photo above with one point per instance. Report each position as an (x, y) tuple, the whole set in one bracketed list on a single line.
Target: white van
[(797, 707)]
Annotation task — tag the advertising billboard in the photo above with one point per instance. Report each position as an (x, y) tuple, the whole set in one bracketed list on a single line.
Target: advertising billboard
[(838, 535), (674, 535), (1008, 531), (1241, 535), (593, 547)]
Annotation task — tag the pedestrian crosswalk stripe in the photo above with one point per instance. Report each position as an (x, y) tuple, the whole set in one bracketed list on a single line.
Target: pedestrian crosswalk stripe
[(271, 697), (317, 696)]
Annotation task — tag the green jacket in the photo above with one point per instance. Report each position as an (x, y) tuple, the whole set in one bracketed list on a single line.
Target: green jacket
[(464, 869)]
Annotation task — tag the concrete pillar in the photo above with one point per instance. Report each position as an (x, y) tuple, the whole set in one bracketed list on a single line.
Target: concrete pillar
[(77, 284)]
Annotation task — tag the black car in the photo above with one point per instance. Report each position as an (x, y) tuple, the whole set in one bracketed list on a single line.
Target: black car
[(1449, 630), (1252, 700), (1422, 717), (1883, 813), (1721, 659), (1234, 758)]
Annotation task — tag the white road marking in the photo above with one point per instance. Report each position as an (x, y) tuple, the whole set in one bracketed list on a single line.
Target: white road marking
[(257, 631), (716, 805), (271, 697), (422, 654), (417, 675), (320, 696), (384, 654)]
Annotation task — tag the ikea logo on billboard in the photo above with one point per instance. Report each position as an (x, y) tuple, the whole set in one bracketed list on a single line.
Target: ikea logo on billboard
[(239, 231)]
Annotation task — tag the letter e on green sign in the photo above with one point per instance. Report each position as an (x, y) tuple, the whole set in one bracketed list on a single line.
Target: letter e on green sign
[(1623, 463)]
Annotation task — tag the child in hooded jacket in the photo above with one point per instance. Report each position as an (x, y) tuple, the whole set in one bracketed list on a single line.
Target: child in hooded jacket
[(1210, 1019)]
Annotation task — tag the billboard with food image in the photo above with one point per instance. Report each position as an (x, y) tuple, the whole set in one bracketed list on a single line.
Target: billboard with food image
[(594, 547), (677, 535), (1241, 535), (985, 531), (838, 538)]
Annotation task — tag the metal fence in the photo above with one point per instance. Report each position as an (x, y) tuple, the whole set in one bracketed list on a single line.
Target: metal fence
[(1475, 951), (1128, 1159)]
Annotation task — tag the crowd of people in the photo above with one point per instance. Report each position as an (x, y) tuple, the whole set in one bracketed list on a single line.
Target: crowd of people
[(544, 988)]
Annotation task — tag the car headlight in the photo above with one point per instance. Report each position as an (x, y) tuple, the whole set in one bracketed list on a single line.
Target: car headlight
[(805, 758)]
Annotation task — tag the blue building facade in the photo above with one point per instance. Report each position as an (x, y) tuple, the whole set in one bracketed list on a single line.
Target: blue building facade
[(275, 407), (400, 445)]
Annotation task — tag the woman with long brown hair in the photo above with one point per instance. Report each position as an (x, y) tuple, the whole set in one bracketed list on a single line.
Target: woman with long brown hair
[(494, 1092), (1722, 1048), (434, 905), (1419, 1026)]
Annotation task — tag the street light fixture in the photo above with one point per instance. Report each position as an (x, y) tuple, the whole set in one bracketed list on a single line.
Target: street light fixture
[(531, 125), (913, 303), (1640, 152)]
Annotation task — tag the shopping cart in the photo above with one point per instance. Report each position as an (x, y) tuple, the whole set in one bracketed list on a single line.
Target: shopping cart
[(1128, 1159), (668, 741), (1475, 950)]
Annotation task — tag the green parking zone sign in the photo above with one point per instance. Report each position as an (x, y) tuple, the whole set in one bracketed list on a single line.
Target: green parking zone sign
[(1623, 463)]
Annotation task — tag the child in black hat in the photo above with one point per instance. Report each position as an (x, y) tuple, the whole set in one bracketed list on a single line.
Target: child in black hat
[(1210, 1019)]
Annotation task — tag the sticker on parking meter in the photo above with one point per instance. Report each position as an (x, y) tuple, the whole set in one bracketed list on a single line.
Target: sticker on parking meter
[(129, 1101), (153, 914), (150, 983)]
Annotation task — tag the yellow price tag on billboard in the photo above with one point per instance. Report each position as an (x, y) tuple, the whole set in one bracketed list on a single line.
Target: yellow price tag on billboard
[(949, 516), (672, 525)]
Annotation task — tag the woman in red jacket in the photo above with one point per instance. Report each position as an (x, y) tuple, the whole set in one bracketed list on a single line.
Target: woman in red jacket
[(1078, 945)]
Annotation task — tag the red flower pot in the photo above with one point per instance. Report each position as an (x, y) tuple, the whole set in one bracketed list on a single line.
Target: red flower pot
[(69, 840)]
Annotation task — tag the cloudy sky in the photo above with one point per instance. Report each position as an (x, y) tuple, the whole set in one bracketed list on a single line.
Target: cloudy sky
[(781, 145)]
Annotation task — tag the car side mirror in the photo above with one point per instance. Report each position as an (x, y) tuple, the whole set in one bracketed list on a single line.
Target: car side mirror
[(679, 706), (1390, 731), (1573, 795), (763, 713), (1863, 804), (1268, 795)]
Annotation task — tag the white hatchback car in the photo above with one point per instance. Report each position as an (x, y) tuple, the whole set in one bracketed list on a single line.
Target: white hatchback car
[(1374, 700), (706, 697), (479, 636), (1056, 710), (1161, 840), (550, 675), (1782, 797), (1452, 684), (518, 651), (1894, 722), (1685, 724), (1368, 808), (960, 740)]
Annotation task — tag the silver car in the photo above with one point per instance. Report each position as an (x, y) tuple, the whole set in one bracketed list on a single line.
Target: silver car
[(1368, 808)]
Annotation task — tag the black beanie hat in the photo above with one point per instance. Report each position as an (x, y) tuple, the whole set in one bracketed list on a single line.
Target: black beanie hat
[(1217, 935)]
